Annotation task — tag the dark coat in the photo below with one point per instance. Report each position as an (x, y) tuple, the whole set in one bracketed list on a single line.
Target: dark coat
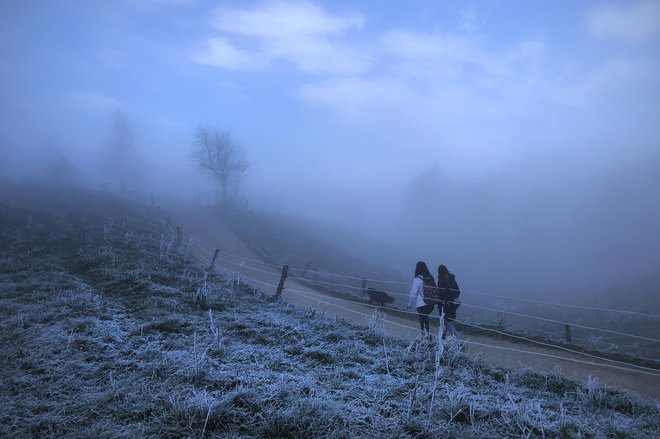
[(448, 287)]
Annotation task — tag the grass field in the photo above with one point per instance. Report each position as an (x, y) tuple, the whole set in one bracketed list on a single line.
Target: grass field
[(109, 329)]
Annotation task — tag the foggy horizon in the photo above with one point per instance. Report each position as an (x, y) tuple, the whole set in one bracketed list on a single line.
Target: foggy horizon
[(517, 143)]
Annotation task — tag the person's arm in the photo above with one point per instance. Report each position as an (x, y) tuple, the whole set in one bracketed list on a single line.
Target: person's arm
[(456, 291), (414, 290)]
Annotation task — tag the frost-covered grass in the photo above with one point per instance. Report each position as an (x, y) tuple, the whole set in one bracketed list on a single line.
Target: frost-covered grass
[(108, 330)]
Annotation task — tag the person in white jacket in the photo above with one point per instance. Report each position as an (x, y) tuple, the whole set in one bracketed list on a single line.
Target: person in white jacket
[(422, 274)]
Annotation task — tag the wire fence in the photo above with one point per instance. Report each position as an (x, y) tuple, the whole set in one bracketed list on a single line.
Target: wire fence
[(357, 289), (603, 361), (346, 293), (403, 284)]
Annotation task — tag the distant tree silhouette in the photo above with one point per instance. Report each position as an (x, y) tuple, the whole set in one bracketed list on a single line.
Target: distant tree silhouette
[(219, 155), (60, 170), (121, 160)]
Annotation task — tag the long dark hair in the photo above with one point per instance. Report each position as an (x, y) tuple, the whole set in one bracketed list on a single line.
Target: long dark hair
[(422, 270), (445, 277)]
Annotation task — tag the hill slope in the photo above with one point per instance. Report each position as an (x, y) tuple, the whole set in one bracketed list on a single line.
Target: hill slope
[(109, 330)]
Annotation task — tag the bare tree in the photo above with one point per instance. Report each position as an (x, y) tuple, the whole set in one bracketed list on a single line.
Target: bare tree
[(218, 154)]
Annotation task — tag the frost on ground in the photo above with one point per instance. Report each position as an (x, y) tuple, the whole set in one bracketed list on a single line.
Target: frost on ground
[(108, 330)]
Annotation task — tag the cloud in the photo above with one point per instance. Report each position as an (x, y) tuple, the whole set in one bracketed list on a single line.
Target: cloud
[(487, 104), (93, 100), (444, 90), (285, 20), (300, 33), (220, 53), (361, 99), (468, 22), (159, 2), (447, 123), (634, 22), (432, 80), (453, 57), (615, 76)]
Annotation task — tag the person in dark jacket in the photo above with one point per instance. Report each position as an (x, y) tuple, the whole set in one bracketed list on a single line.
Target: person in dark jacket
[(449, 301), (422, 275)]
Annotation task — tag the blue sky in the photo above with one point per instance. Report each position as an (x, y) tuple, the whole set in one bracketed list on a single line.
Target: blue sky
[(338, 102), (475, 84)]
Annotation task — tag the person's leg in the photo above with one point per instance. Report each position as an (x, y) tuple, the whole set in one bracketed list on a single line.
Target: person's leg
[(428, 328), (425, 323), (424, 312), (421, 319)]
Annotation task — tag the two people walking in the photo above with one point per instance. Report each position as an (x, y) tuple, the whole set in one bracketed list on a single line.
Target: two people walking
[(425, 294)]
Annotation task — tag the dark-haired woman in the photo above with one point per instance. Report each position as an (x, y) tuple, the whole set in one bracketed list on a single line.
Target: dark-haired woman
[(422, 276), (449, 302)]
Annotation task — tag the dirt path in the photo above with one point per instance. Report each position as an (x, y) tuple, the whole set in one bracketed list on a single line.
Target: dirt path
[(210, 232)]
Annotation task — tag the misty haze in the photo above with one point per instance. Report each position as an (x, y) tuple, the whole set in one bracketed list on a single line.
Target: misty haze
[(306, 155)]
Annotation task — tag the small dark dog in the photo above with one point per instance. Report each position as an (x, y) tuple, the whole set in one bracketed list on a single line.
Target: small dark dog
[(377, 297)]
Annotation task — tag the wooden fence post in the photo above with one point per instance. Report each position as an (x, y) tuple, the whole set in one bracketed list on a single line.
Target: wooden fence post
[(568, 333), (215, 255), (280, 287)]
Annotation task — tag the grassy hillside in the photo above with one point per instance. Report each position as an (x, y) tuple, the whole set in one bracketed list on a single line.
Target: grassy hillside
[(312, 248), (288, 239), (108, 330)]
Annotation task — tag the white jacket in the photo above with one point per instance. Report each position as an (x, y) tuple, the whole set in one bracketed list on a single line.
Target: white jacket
[(417, 293)]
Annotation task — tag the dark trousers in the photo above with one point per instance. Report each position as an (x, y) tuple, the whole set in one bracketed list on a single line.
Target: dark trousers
[(449, 308), (423, 313)]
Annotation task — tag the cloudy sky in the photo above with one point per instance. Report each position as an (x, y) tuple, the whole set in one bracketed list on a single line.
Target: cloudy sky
[(347, 101)]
